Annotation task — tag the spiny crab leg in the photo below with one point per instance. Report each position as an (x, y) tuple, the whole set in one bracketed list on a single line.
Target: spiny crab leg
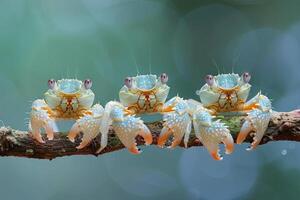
[(126, 127), (257, 121), (179, 122), (40, 118), (89, 125)]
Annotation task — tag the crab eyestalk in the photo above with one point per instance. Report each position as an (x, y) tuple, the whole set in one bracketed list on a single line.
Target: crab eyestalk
[(164, 78), (128, 82), (246, 77), (88, 84), (51, 83), (209, 80)]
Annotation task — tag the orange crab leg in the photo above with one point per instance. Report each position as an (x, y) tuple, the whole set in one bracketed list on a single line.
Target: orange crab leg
[(164, 136), (167, 109), (250, 107)]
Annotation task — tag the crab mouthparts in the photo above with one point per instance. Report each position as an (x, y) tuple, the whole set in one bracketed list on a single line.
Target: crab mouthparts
[(69, 104)]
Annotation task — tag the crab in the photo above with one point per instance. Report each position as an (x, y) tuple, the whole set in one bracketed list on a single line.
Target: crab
[(224, 93), (145, 94), (66, 99)]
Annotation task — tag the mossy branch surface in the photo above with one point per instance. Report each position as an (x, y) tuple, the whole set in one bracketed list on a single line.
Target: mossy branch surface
[(283, 126)]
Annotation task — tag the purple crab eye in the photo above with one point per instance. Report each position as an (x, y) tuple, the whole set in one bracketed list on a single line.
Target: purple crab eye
[(128, 82), (51, 83), (164, 78), (209, 80), (246, 77), (88, 84)]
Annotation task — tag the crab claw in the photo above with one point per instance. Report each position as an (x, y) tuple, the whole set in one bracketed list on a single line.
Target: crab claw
[(176, 123), (212, 136), (40, 118), (89, 125), (212, 133), (257, 121), (126, 127)]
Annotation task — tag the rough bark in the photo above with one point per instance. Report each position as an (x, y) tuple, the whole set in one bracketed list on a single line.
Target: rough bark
[(283, 126)]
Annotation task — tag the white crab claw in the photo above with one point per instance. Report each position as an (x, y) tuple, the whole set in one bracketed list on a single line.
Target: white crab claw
[(89, 125), (257, 121), (212, 133), (40, 118), (211, 138), (176, 123), (126, 127)]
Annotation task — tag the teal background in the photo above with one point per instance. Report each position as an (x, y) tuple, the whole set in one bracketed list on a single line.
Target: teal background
[(107, 40)]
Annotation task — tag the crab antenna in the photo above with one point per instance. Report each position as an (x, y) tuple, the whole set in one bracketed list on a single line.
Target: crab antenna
[(61, 75), (68, 72), (137, 69), (235, 61), (76, 73), (223, 69), (150, 55), (135, 62), (216, 65), (150, 66)]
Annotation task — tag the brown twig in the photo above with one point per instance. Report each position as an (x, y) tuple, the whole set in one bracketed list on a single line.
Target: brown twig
[(283, 126)]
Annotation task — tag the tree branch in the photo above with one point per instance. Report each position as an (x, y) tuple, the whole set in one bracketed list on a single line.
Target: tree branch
[(283, 126)]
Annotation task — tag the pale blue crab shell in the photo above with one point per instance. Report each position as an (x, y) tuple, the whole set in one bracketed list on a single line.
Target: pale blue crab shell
[(210, 94), (227, 81), (53, 97), (69, 86), (143, 83)]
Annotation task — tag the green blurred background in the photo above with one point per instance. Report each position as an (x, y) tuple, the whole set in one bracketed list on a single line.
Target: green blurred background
[(107, 40)]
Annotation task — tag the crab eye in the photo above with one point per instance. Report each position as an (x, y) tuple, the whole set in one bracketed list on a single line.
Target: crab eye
[(128, 82), (164, 78), (246, 77), (51, 83), (88, 84), (209, 80)]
